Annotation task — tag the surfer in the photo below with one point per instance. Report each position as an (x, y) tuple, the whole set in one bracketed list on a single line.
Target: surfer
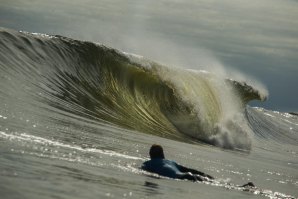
[(158, 164)]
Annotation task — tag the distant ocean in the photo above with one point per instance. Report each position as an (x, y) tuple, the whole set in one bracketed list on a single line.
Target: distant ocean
[(77, 120)]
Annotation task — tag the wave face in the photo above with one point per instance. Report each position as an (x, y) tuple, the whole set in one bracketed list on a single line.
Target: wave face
[(125, 90)]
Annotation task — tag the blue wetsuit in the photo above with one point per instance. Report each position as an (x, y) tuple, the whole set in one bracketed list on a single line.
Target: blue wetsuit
[(171, 169), (163, 167)]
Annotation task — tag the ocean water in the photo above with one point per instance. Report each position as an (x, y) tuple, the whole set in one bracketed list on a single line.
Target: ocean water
[(77, 120)]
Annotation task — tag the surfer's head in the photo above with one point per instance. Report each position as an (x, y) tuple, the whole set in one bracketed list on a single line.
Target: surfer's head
[(156, 151)]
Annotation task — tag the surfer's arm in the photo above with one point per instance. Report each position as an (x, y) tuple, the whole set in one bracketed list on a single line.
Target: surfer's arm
[(185, 170), (193, 171)]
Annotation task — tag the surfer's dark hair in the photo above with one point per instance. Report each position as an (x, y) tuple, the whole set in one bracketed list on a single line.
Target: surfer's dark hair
[(156, 151)]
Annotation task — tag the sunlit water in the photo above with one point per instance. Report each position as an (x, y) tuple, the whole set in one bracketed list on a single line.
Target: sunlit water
[(73, 158)]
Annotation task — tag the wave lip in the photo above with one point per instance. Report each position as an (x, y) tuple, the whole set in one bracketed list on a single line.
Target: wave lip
[(130, 91), (247, 92)]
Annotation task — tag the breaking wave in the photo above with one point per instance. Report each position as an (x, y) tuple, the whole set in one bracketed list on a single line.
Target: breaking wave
[(126, 90)]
